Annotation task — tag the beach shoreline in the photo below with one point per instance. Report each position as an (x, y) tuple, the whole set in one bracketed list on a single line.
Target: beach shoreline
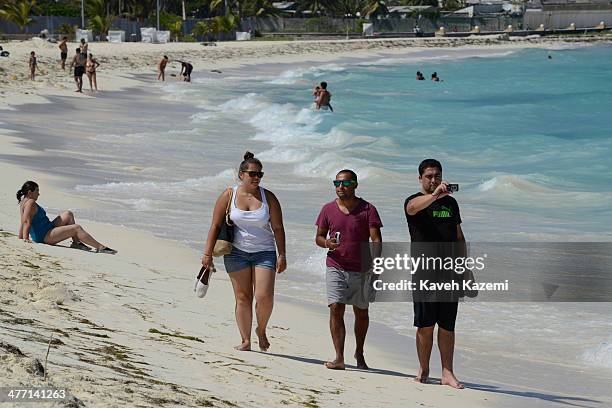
[(148, 265), (120, 61)]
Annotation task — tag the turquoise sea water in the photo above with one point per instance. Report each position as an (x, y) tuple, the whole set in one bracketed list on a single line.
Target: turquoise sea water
[(528, 138)]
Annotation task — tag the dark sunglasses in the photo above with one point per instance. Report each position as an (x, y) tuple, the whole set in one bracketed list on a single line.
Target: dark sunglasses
[(345, 183), (252, 174)]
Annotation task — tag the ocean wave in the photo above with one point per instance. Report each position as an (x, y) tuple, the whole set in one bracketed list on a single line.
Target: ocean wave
[(164, 189), (293, 76), (245, 102), (293, 132), (513, 183)]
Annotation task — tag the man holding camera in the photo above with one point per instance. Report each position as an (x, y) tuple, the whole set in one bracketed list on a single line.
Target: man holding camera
[(433, 216), (345, 226)]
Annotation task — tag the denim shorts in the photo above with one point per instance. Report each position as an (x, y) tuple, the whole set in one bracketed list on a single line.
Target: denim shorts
[(237, 260)]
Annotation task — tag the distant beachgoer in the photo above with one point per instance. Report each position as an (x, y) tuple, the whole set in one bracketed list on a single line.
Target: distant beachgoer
[(161, 68), (84, 48), (253, 263), (549, 56), (63, 46), (344, 225), (420, 76), (78, 62), (324, 98), (90, 69), (186, 69), (33, 65), (36, 224), (434, 77)]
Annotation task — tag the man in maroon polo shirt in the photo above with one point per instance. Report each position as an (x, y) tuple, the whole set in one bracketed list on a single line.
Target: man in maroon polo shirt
[(358, 222)]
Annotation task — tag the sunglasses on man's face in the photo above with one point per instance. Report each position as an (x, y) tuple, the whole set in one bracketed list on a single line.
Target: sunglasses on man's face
[(345, 183), (254, 174)]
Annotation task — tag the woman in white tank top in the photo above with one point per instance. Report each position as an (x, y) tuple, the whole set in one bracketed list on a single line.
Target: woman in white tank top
[(253, 263)]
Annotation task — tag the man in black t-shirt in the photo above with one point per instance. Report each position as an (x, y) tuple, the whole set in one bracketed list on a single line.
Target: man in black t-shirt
[(433, 216)]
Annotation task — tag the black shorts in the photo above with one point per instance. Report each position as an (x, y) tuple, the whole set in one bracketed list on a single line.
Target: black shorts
[(428, 314), (79, 71), (64, 56)]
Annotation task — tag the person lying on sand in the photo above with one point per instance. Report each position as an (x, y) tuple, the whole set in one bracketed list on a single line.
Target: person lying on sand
[(36, 224)]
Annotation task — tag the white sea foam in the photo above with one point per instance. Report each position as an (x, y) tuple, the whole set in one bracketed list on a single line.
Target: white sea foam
[(246, 102), (293, 76), (201, 117), (416, 59), (513, 183), (163, 189), (600, 356)]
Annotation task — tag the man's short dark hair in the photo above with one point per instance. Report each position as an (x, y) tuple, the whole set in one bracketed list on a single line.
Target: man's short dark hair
[(427, 163), (351, 172), (324, 85), (64, 38), (165, 57)]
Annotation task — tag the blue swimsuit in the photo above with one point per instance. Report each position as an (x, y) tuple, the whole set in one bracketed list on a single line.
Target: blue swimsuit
[(40, 225)]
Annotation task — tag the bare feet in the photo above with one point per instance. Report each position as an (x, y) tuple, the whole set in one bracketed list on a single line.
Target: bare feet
[(264, 344), (422, 377), (244, 346), (335, 365), (361, 363), (448, 378)]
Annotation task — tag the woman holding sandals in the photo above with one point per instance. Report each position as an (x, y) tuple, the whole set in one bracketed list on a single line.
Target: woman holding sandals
[(253, 263)]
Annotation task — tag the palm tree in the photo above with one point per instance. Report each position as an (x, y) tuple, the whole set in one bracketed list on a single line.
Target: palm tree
[(19, 14), (175, 28), (101, 24), (259, 8), (99, 21), (202, 29), (374, 8), (315, 6)]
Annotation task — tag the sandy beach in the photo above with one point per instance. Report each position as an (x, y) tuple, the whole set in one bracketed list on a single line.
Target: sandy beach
[(127, 330)]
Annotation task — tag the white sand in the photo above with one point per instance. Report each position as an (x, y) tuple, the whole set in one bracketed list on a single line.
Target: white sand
[(127, 330)]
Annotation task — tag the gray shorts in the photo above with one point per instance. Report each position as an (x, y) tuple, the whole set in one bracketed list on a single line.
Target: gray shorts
[(350, 288)]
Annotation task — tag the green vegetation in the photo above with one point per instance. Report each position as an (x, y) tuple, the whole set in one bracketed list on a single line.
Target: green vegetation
[(18, 13), (100, 21)]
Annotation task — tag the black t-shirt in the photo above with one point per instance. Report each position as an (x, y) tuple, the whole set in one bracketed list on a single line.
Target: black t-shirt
[(436, 223)]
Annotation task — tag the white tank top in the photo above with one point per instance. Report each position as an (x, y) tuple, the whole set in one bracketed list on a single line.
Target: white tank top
[(252, 232)]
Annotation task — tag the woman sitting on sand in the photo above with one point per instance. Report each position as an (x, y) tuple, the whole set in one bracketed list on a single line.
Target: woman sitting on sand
[(36, 224), (253, 263), (90, 70)]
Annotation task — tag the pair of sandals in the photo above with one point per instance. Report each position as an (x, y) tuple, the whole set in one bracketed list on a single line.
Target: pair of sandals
[(83, 247)]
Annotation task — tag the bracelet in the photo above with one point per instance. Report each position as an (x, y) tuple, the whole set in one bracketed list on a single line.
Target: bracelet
[(208, 255), (281, 256)]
